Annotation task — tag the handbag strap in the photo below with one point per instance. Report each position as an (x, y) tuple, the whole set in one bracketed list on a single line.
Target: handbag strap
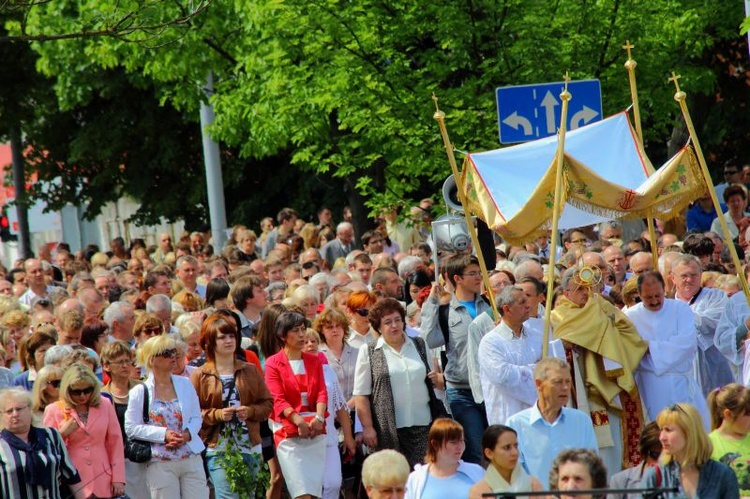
[(145, 405)]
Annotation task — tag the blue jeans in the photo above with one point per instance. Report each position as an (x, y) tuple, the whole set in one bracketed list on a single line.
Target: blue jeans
[(219, 477), (472, 417)]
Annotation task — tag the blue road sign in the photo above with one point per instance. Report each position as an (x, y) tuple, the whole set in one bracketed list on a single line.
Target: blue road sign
[(530, 112)]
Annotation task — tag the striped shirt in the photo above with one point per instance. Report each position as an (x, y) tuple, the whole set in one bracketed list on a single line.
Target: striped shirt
[(12, 477)]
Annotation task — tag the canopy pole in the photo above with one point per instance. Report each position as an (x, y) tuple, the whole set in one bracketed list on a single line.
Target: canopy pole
[(440, 118), (652, 236), (680, 97), (556, 211), (630, 65)]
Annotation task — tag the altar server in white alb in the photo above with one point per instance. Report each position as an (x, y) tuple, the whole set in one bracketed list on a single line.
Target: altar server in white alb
[(733, 331), (711, 367), (665, 374)]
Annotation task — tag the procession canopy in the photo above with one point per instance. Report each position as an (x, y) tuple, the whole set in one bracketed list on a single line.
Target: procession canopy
[(605, 176)]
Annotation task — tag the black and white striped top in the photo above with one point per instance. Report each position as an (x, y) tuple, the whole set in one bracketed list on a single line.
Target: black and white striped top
[(12, 477)]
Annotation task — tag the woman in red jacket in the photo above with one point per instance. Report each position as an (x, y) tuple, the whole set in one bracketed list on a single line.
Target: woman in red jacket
[(296, 382)]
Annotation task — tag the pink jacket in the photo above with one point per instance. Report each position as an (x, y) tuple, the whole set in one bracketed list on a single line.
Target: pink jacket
[(95, 448)]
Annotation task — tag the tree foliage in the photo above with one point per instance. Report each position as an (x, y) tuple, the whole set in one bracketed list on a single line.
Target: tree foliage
[(342, 90)]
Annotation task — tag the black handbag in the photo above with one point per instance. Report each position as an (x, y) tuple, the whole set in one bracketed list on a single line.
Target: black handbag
[(139, 451)]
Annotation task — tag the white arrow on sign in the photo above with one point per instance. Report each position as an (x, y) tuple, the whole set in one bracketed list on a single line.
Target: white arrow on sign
[(514, 121), (582, 117), (549, 102)]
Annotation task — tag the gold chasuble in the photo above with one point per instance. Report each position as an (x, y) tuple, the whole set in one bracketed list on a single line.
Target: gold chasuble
[(610, 349)]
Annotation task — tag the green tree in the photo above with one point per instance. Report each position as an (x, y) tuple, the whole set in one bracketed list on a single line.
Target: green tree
[(342, 89)]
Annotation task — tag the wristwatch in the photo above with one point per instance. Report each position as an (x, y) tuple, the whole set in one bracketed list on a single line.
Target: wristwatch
[(320, 418)]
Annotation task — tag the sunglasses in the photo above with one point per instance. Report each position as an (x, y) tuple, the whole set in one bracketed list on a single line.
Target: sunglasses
[(54, 383), (167, 353), (153, 331), (82, 391), (309, 265), (364, 312)]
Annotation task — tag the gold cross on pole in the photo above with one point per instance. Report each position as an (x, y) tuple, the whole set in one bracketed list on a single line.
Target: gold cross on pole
[(566, 79), (627, 47), (674, 79), (434, 97)]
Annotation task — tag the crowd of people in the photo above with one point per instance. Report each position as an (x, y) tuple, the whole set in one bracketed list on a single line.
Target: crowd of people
[(310, 361)]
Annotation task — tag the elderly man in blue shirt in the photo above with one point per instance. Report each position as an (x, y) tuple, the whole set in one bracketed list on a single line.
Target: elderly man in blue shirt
[(548, 427)]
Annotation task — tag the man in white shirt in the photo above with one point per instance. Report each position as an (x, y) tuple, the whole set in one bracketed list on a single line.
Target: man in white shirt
[(35, 280), (665, 374), (506, 359)]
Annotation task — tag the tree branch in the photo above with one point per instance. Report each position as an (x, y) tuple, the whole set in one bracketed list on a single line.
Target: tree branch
[(121, 27)]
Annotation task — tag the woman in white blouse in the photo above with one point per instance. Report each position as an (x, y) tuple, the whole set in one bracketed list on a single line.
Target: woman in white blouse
[(174, 420), (392, 394)]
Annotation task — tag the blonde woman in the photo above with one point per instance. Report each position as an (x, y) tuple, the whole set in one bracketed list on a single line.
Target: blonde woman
[(307, 298), (174, 420), (685, 460), (46, 388), (89, 427)]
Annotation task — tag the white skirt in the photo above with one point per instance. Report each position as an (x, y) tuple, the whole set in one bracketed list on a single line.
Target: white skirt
[(302, 462)]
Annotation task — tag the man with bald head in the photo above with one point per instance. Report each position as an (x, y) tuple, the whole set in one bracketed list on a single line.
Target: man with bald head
[(341, 245), (165, 247), (641, 262), (665, 241), (93, 302), (529, 268)]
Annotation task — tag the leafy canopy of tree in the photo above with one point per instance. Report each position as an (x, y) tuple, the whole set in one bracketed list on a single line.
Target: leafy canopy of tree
[(343, 88)]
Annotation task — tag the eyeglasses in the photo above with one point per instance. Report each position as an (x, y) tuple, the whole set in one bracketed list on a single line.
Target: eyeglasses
[(55, 383), (364, 312), (122, 363), (472, 274), (74, 392), (10, 411), (309, 265), (171, 352)]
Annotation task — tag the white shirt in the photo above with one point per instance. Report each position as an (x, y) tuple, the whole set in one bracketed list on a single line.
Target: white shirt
[(506, 371), (407, 374), (357, 340), (665, 374)]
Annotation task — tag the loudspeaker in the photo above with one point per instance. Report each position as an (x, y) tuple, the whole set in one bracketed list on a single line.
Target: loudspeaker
[(450, 194)]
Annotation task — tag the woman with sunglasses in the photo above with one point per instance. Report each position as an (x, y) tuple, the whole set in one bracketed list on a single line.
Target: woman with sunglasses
[(146, 326), (174, 420), (296, 382), (234, 399), (357, 307), (686, 462), (118, 362), (89, 427), (46, 388)]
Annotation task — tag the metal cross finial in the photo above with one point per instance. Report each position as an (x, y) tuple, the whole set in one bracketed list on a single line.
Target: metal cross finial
[(434, 97), (566, 79), (627, 47), (674, 79)]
